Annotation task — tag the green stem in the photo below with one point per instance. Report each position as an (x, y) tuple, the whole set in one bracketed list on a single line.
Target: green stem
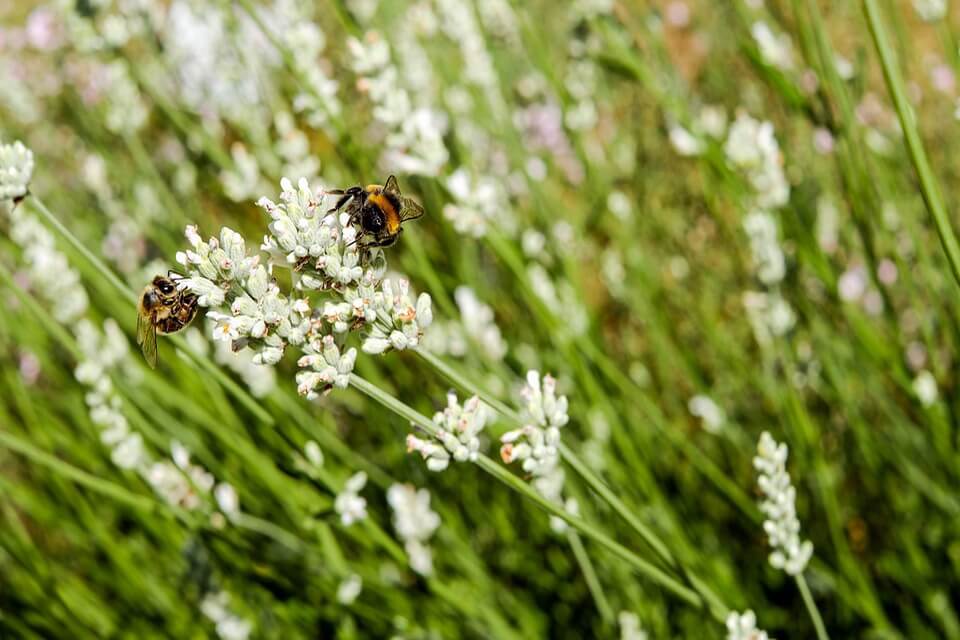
[(79, 476), (918, 155), (590, 575), (812, 608)]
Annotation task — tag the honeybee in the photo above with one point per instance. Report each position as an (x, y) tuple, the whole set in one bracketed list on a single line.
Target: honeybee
[(379, 210), (162, 308)]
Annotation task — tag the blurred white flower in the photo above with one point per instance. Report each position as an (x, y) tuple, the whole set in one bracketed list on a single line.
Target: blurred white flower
[(479, 324), (775, 49), (349, 589), (752, 147), (925, 388), (770, 315), (930, 10), (630, 628), (768, 258), (743, 626), (415, 523), (684, 142), (349, 504), (478, 202), (708, 411), (227, 499), (779, 506), (16, 169), (229, 626)]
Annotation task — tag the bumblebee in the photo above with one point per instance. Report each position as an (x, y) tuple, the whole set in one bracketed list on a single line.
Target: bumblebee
[(162, 308), (378, 210)]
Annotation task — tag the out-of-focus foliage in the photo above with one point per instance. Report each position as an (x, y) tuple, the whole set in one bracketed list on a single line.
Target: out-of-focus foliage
[(699, 216)]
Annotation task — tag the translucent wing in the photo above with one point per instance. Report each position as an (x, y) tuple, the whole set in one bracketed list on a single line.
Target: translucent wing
[(147, 339), (392, 185), (410, 209)]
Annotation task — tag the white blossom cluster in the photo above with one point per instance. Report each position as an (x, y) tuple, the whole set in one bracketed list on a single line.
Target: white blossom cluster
[(769, 262), (414, 140), (125, 109), (342, 283), (705, 408), (779, 505), (228, 625), (930, 10), (775, 49), (16, 169), (415, 523), (318, 98), (752, 148), (536, 444), (349, 504), (630, 628), (48, 270), (478, 201), (458, 427), (260, 316), (459, 23), (743, 626), (478, 323)]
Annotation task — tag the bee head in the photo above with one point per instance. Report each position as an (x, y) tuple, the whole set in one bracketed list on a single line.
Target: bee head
[(164, 285)]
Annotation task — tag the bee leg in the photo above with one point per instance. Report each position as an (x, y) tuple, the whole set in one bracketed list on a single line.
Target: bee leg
[(345, 196)]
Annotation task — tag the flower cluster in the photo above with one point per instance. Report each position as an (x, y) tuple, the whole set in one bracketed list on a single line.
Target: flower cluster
[(930, 10), (630, 628), (775, 49), (342, 283), (415, 523), (458, 428), (229, 626), (478, 201), (743, 626), (769, 261), (414, 142), (349, 505), (752, 148), (782, 525), (705, 408), (536, 444), (16, 169)]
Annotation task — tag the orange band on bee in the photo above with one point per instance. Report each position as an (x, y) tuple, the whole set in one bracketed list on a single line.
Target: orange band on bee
[(390, 212)]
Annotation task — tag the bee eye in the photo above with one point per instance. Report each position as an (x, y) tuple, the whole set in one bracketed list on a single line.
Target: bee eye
[(372, 220), (166, 289)]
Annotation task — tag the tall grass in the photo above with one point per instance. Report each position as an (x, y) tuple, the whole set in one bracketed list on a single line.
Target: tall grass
[(706, 220)]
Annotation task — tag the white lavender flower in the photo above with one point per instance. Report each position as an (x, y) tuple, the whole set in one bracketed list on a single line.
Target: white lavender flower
[(743, 626), (775, 49), (708, 411), (227, 499), (770, 315), (479, 324), (349, 589), (397, 322), (930, 10), (349, 505), (229, 626), (779, 505), (925, 388), (630, 628), (414, 142), (752, 147), (478, 202), (16, 169), (415, 524), (768, 258), (458, 428), (325, 367), (318, 101)]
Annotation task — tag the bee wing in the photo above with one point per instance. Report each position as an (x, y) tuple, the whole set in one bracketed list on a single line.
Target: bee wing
[(410, 209), (147, 339), (392, 185)]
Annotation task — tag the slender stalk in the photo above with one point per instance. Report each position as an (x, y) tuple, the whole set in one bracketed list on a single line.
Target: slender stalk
[(929, 187), (590, 576), (81, 477), (812, 608)]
